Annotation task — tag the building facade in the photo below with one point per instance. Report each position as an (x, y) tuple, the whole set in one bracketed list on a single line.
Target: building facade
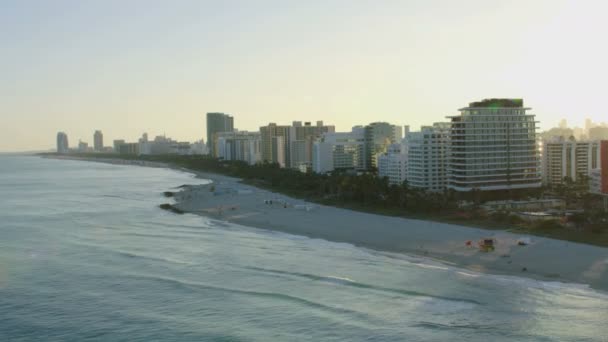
[(98, 141), (291, 146), (339, 151), (62, 143), (378, 136), (302, 138), (241, 146), (117, 144), (493, 147), (568, 159), (129, 149), (427, 157), (273, 143), (393, 164), (599, 176), (217, 123)]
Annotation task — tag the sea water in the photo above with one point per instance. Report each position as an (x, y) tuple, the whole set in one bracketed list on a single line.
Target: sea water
[(86, 254)]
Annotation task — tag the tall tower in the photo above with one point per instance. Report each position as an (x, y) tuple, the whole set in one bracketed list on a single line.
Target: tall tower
[(217, 123), (62, 143), (98, 141)]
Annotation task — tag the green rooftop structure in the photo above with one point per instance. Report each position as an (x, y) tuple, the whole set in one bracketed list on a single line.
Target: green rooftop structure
[(498, 103)]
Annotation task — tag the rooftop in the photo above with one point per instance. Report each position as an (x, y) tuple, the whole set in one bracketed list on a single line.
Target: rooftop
[(498, 103)]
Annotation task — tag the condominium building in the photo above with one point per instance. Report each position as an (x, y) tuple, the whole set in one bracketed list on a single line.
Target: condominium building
[(62, 143), (216, 123), (162, 145), (239, 145), (274, 144), (301, 140), (98, 141), (83, 147), (339, 151), (427, 157), (117, 144), (129, 148), (568, 158), (393, 164), (493, 147), (296, 142), (599, 176), (378, 136)]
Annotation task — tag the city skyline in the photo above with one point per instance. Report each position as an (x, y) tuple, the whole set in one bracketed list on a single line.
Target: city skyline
[(126, 69)]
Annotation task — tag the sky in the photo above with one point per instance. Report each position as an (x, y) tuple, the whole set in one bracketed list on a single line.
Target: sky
[(130, 66)]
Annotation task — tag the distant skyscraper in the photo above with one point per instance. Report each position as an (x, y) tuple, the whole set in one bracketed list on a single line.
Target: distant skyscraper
[(98, 141), (62, 143), (493, 147), (217, 123)]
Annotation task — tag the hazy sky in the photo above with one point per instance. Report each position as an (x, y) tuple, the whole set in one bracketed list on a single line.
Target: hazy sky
[(128, 67)]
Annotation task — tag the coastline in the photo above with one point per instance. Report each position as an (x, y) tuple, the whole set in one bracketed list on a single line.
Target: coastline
[(544, 259)]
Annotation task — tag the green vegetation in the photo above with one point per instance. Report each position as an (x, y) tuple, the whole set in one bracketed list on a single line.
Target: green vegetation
[(368, 193)]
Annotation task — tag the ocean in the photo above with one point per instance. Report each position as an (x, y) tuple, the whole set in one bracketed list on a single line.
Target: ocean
[(86, 254)]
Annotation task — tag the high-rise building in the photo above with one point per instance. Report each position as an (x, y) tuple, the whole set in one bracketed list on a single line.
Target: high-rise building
[(98, 141), (129, 148), (427, 157), (599, 176), (296, 141), (393, 164), (62, 143), (493, 147), (239, 145), (117, 144), (217, 123), (568, 158), (273, 144), (340, 151), (301, 140), (378, 136)]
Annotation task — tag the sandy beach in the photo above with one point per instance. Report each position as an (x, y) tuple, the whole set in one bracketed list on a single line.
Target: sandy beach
[(544, 259)]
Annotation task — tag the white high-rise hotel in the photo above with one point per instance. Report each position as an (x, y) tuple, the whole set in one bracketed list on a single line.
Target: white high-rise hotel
[(493, 147), (427, 157)]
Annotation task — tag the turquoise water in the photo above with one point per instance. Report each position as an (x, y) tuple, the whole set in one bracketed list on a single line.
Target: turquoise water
[(85, 254)]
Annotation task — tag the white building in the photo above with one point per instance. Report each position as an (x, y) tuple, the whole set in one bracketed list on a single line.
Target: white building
[(493, 147), (393, 164), (239, 145), (568, 158), (162, 145), (427, 157), (199, 148), (343, 150)]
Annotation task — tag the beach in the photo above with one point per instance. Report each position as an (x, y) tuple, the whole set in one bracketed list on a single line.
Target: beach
[(227, 199)]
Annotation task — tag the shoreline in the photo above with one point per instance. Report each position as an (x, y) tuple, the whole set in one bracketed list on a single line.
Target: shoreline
[(545, 259)]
